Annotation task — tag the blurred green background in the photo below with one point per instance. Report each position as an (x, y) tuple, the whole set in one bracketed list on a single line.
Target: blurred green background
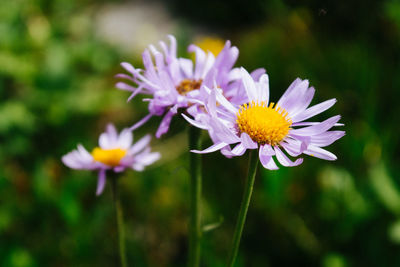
[(58, 59)]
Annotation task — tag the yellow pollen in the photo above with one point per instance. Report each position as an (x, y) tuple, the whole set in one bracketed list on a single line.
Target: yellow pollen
[(188, 85), (264, 124), (110, 157)]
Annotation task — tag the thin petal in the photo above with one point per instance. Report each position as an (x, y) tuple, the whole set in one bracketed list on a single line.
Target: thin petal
[(292, 149), (213, 148), (125, 139), (101, 182), (249, 85), (141, 122), (164, 125), (147, 158), (327, 138), (284, 160), (266, 159), (319, 153), (225, 103), (125, 87), (195, 123), (128, 67), (314, 110), (263, 88), (238, 150), (256, 74), (247, 141), (140, 145), (186, 67), (318, 128)]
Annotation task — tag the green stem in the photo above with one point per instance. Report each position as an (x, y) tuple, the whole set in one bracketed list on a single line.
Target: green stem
[(120, 220), (244, 206), (195, 198)]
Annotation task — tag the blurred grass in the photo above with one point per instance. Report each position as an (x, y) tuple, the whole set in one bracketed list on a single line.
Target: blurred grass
[(57, 89)]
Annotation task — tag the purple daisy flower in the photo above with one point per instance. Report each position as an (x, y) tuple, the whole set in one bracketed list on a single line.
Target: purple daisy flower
[(256, 123), (173, 82), (115, 152)]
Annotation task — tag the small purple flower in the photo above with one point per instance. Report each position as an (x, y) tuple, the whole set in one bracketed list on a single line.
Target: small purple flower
[(255, 123), (173, 82), (115, 152)]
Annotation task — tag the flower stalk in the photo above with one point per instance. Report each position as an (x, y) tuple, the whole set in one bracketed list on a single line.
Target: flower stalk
[(195, 231), (244, 206), (120, 220)]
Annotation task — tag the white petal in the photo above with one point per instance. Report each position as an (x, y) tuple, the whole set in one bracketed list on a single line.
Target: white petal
[(249, 85), (319, 153), (247, 141), (140, 145), (213, 148)]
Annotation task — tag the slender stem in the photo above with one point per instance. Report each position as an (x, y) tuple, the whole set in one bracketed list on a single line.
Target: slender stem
[(244, 206), (195, 198), (120, 220)]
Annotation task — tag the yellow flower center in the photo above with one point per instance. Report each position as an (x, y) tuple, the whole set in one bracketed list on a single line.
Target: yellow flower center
[(110, 157), (214, 45), (188, 85), (264, 124)]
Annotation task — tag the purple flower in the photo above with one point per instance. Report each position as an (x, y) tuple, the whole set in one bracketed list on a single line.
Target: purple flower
[(256, 123), (115, 152), (173, 82)]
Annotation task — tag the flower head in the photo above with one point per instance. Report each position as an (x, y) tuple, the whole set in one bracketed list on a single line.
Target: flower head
[(256, 123), (115, 152), (173, 83)]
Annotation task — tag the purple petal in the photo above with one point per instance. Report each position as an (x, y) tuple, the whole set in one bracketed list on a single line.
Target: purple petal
[(101, 182), (225, 103), (124, 86), (195, 123), (256, 74), (249, 85), (186, 67), (319, 153), (327, 138), (314, 110), (247, 142), (172, 50), (141, 122), (222, 132), (213, 148), (119, 169), (263, 88), (284, 160), (318, 128), (148, 64), (137, 91), (128, 67), (266, 158), (159, 57), (238, 150), (200, 60), (207, 65), (302, 102), (125, 139), (292, 149), (140, 145), (164, 125), (147, 158)]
